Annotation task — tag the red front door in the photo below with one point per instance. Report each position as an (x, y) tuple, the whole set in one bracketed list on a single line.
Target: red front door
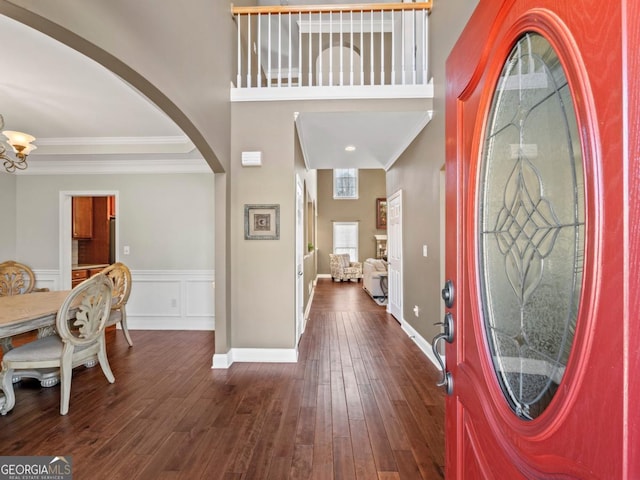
[(539, 194)]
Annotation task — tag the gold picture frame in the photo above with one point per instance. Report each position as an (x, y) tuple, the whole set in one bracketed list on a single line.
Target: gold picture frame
[(381, 213)]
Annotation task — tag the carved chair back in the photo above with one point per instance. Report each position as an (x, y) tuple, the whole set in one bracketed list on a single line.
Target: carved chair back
[(15, 279)]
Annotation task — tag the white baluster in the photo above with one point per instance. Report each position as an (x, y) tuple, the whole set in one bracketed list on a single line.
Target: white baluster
[(425, 47), (279, 49), (341, 53), (299, 50), (393, 49), (402, 50), (249, 51), (413, 54), (371, 56), (330, 48), (310, 42), (239, 74), (319, 73), (269, 52), (290, 42), (258, 79), (361, 47), (381, 47), (351, 47)]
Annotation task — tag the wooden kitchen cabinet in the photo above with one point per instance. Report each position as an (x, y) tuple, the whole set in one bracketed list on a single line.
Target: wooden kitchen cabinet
[(78, 276), (82, 217)]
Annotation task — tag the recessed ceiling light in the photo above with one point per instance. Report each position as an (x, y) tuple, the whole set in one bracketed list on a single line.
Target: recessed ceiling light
[(349, 148)]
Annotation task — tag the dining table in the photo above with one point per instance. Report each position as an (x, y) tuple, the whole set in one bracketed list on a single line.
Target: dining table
[(27, 313)]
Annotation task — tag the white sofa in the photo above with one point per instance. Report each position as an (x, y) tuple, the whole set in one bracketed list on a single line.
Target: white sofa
[(371, 270)]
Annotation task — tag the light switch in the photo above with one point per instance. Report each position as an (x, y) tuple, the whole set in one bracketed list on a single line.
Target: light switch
[(424, 250), (126, 250)]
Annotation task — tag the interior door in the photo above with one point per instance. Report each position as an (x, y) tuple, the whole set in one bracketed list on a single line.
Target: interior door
[(535, 175), (394, 254)]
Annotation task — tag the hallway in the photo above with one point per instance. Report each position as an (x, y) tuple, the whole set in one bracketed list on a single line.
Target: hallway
[(361, 403), (383, 415)]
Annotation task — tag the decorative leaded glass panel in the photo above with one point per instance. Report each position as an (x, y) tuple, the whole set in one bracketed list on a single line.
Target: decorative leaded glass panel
[(531, 226)]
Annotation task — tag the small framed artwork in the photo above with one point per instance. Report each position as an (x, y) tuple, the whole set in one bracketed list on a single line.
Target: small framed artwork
[(262, 222), (381, 213)]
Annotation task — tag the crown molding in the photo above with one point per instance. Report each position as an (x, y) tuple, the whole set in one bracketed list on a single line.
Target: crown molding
[(166, 140), (114, 167), (113, 145)]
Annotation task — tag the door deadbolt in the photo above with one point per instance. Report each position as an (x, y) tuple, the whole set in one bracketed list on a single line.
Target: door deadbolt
[(448, 294)]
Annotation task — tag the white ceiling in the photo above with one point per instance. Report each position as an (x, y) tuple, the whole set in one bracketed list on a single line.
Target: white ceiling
[(80, 111)]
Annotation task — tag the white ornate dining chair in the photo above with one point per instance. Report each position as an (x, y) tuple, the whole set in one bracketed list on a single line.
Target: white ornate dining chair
[(16, 279), (120, 276), (80, 324)]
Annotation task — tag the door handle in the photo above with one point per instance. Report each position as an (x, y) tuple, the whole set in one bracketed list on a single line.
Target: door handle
[(448, 336)]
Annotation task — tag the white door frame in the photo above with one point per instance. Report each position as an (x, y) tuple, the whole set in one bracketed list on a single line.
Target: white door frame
[(64, 228), (299, 261), (394, 255)]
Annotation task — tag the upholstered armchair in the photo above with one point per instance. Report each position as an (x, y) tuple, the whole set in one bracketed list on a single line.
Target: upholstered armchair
[(344, 269)]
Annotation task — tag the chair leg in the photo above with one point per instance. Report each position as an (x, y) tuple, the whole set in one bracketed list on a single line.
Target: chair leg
[(9, 400), (104, 362), (125, 329), (66, 371)]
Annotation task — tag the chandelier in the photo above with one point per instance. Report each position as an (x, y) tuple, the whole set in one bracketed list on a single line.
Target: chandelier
[(21, 144)]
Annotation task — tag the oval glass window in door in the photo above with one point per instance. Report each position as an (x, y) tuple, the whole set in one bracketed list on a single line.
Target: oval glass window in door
[(531, 226)]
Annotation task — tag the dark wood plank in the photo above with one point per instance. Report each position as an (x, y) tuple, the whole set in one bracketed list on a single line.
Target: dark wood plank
[(360, 403)]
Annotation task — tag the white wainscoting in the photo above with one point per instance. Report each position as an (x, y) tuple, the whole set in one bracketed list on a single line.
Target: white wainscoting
[(161, 299), (47, 279)]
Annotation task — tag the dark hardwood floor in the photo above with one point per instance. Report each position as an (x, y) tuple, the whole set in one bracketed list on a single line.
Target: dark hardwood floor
[(361, 403)]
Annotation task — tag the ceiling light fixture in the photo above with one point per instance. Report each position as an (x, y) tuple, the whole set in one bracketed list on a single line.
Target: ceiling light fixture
[(21, 144), (350, 148)]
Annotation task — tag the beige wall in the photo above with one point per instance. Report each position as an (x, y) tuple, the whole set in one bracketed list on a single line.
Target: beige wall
[(417, 174), (157, 218), (7, 216), (262, 283), (371, 185)]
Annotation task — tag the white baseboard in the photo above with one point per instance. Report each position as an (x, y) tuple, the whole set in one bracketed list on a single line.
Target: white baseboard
[(323, 275), (423, 344), (258, 355)]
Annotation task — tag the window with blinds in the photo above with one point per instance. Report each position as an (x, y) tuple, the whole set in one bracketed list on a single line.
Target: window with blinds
[(345, 239), (345, 183)]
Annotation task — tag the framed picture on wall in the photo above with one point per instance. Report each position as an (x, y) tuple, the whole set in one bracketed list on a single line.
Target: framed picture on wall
[(381, 213), (262, 222)]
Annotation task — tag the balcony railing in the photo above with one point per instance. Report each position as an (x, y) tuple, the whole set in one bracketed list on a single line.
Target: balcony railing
[(368, 45)]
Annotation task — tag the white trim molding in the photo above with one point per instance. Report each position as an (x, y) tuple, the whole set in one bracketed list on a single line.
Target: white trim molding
[(423, 344), (259, 355), (335, 92)]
